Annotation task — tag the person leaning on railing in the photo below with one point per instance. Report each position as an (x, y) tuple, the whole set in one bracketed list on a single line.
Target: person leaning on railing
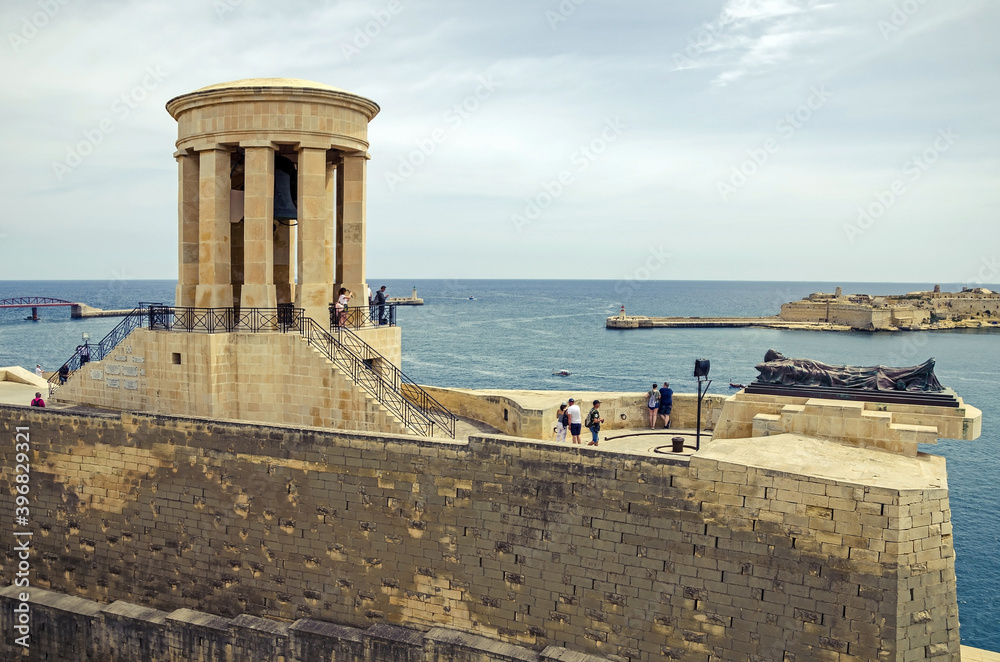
[(344, 296)]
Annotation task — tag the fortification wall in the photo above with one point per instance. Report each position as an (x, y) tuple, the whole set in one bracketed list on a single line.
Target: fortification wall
[(268, 377), (967, 305), (532, 414), (783, 548), (76, 630), (848, 314)]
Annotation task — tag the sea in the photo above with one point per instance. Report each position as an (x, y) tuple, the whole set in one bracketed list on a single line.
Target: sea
[(514, 334)]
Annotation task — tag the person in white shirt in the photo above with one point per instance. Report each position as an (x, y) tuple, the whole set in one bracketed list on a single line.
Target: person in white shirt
[(38, 369), (575, 420)]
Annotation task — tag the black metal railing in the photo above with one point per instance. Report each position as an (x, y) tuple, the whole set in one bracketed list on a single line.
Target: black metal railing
[(413, 406), (412, 391), (373, 377), (355, 317), (86, 352), (224, 320)]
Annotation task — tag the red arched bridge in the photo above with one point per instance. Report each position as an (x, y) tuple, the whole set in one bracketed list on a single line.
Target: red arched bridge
[(77, 309), (33, 302)]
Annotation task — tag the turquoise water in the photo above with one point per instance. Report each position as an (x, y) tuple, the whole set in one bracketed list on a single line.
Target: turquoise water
[(514, 334)]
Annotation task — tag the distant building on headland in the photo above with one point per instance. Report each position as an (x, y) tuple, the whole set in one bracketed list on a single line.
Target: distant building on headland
[(972, 307)]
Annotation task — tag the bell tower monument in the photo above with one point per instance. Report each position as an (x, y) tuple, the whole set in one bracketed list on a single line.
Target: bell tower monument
[(271, 194)]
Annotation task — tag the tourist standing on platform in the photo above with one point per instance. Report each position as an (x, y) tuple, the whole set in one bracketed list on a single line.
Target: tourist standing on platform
[(666, 403), (38, 370), (575, 420), (38, 402), (84, 350), (341, 306), (594, 421), (562, 423), (653, 404), (380, 303)]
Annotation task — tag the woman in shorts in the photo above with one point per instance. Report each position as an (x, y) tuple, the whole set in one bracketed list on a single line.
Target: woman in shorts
[(652, 404)]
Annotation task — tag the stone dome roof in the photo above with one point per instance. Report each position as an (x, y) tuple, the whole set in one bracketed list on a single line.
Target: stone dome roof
[(272, 82)]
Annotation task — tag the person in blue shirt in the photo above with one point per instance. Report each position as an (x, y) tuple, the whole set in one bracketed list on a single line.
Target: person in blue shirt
[(666, 403)]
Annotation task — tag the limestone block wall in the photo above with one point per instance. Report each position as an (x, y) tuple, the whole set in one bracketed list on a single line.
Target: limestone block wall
[(783, 548), (72, 629), (848, 314), (532, 414), (803, 311), (265, 377), (386, 340), (967, 305), (895, 427), (903, 316)]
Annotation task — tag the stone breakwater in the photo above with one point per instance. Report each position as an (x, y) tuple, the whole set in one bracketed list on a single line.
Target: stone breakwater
[(642, 322), (916, 311)]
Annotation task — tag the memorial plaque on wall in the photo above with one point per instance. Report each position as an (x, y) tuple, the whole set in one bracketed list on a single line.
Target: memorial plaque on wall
[(130, 371), (97, 375), (138, 359), (112, 382), (132, 384), (112, 369), (121, 357)]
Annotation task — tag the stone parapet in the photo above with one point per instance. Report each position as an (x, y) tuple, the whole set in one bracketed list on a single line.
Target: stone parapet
[(69, 629), (532, 414), (893, 427)]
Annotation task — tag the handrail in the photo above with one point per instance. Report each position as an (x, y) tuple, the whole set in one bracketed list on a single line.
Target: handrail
[(420, 398), (364, 374), (415, 407), (86, 352), (355, 317)]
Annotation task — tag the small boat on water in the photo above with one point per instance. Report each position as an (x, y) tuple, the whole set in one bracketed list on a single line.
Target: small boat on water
[(561, 373), (734, 385), (472, 298)]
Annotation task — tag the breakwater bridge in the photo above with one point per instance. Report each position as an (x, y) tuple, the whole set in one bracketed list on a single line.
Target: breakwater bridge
[(77, 310)]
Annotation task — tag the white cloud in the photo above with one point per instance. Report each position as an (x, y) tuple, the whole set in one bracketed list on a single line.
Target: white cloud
[(699, 84)]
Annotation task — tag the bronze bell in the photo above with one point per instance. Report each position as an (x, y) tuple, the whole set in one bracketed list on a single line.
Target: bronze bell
[(285, 187)]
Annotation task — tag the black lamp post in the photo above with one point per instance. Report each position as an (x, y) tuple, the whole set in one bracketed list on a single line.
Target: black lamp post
[(701, 368)]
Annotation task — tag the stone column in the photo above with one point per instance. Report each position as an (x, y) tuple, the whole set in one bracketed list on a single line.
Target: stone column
[(215, 288), (187, 228), (258, 227), (351, 223), (284, 261), (315, 237)]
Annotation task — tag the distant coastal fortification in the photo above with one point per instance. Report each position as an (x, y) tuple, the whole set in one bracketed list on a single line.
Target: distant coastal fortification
[(821, 311)]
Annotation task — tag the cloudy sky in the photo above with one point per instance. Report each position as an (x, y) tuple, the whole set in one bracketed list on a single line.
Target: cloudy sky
[(841, 140)]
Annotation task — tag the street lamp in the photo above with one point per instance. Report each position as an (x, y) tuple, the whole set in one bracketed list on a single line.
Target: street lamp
[(701, 368)]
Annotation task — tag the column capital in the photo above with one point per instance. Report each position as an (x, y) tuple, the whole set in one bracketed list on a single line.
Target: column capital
[(210, 147), (259, 143), (325, 145), (184, 152), (343, 154)]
